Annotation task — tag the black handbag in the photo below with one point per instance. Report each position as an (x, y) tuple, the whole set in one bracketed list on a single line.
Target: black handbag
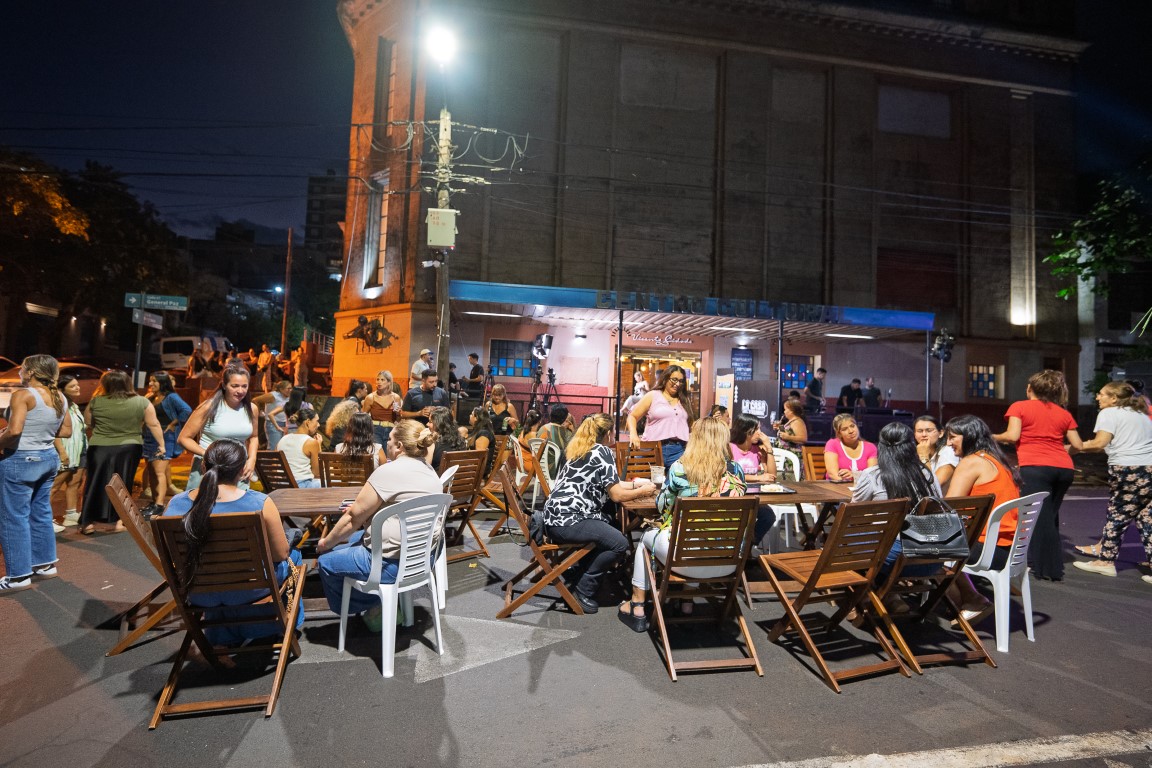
[(940, 534)]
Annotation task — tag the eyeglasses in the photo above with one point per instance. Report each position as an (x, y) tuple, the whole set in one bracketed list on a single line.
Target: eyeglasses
[(677, 379)]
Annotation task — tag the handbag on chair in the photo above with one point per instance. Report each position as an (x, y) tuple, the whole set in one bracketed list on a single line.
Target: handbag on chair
[(940, 534)]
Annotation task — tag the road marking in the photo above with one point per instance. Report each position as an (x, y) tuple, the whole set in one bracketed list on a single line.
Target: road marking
[(1027, 752)]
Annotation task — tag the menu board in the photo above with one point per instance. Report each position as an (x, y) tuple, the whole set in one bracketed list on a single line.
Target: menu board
[(742, 364)]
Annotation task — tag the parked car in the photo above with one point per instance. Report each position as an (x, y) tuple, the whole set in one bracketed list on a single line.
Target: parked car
[(87, 375)]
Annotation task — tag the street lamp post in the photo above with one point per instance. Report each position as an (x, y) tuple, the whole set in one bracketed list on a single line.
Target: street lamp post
[(442, 47), (287, 291)]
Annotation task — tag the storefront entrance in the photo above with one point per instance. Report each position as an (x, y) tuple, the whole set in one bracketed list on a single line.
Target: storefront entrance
[(650, 363)]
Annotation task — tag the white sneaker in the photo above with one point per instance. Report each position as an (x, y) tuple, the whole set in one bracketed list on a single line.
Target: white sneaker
[(71, 518), (1102, 567), (44, 571), (8, 585), (1146, 579), (57, 528)]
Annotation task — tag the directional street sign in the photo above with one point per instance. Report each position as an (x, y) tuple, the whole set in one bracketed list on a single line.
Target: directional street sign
[(140, 317), (134, 301)]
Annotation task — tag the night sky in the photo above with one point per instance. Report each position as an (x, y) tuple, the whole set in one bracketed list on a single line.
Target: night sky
[(220, 110), (259, 91)]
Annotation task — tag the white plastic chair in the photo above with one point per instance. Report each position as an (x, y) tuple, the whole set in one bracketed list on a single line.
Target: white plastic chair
[(418, 524), (440, 549), (1016, 567), (518, 453), (788, 515)]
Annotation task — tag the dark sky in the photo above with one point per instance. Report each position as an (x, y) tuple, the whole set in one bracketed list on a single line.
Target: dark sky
[(258, 90), (229, 105)]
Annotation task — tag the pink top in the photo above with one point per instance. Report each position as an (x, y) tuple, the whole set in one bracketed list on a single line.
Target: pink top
[(665, 420), (846, 462), (749, 461)]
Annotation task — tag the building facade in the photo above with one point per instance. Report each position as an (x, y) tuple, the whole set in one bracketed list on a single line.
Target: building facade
[(908, 156)]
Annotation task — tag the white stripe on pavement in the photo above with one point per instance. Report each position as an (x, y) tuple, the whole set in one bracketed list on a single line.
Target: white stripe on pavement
[(1007, 753)]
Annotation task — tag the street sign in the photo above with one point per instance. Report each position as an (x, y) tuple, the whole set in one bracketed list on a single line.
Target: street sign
[(140, 317), (134, 301)]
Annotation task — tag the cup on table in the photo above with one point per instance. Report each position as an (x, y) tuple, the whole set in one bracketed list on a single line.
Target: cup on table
[(657, 473)]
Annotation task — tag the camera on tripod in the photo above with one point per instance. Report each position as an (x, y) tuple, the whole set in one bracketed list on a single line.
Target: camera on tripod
[(552, 376), (491, 370)]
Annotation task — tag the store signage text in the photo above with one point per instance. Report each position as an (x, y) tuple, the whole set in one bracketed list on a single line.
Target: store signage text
[(660, 341), (757, 408), (696, 305)]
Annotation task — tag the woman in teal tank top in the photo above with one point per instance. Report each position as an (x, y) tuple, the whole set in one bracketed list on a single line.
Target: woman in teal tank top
[(228, 414)]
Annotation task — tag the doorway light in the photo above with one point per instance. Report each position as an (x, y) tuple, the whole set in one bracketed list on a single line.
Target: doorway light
[(849, 336), (492, 314)]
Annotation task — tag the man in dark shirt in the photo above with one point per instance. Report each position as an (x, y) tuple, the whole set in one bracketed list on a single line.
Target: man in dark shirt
[(814, 392), (850, 394), (473, 383), (871, 393), (420, 401)]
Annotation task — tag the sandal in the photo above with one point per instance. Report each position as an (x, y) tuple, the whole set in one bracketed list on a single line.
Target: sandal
[(89, 529), (1088, 550), (630, 619)]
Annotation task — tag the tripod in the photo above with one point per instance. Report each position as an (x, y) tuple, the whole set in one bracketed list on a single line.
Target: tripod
[(489, 382), (540, 401)]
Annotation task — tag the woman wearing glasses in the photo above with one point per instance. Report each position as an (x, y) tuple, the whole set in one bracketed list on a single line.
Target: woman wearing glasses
[(669, 411)]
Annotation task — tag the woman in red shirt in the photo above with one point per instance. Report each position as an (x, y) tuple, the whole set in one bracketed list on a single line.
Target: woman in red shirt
[(1039, 426)]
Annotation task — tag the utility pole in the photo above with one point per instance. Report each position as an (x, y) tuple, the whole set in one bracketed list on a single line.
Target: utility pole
[(443, 176), (287, 291)]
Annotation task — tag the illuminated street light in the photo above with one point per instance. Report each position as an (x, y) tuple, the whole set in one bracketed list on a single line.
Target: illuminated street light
[(441, 45)]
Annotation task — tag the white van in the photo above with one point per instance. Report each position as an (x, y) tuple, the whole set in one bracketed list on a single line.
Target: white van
[(174, 351)]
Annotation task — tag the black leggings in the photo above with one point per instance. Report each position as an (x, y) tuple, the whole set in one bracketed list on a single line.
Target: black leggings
[(1046, 552)]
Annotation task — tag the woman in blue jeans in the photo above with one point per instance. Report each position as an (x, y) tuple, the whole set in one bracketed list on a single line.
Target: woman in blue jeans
[(574, 512), (220, 492), (28, 465), (346, 550)]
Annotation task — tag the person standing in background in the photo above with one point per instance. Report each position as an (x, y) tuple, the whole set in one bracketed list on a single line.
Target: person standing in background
[(850, 394), (473, 383), (1039, 426), (264, 368), (423, 363), (73, 452), (871, 393), (814, 392)]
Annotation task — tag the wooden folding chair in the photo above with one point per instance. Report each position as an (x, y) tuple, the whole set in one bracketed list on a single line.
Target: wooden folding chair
[(974, 511), (493, 491), (342, 470), (549, 560), (705, 533), (638, 462), (814, 466), (465, 490), (137, 526), (842, 572), (273, 470), (236, 557)]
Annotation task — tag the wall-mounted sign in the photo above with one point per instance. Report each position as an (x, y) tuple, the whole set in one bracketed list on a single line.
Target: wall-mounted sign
[(660, 341), (742, 364), (757, 408), (696, 305)]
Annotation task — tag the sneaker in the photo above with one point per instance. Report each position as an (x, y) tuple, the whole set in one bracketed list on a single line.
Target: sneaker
[(1102, 567), (8, 585), (57, 528), (44, 571), (71, 518), (1146, 579)]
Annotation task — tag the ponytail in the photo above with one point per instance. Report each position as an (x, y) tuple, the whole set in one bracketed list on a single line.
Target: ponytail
[(223, 463)]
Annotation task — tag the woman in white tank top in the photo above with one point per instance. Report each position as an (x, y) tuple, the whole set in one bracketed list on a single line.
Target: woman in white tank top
[(301, 448), (229, 413)]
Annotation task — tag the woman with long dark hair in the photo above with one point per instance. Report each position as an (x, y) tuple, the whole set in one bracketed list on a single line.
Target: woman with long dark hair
[(480, 436), (219, 491), (847, 454), (934, 450), (447, 434), (574, 512), (37, 416), (172, 412), (358, 440), (501, 412), (983, 469), (791, 428), (228, 414), (668, 408), (116, 417), (73, 452), (1039, 426), (301, 448)]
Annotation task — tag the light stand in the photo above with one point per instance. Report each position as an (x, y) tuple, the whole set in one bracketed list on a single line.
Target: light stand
[(942, 351)]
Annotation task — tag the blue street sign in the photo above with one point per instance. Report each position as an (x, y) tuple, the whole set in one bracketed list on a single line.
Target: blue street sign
[(133, 300)]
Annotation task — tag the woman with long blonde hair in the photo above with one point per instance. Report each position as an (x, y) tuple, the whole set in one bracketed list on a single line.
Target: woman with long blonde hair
[(502, 412), (705, 469), (574, 512)]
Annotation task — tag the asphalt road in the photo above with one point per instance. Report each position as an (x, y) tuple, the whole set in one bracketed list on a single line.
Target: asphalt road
[(549, 688)]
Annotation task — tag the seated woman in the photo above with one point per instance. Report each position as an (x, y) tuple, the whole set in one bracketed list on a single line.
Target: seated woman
[(898, 474), (358, 440), (574, 512), (346, 550), (847, 454), (219, 492), (502, 412), (933, 450), (447, 434), (983, 469), (792, 430), (557, 431), (301, 448), (480, 437), (705, 469), (750, 450)]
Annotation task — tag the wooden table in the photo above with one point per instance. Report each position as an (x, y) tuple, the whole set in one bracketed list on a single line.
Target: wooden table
[(311, 502)]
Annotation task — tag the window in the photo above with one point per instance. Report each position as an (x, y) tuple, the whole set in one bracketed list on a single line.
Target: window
[(385, 81), (795, 370), (982, 380), (914, 112), (512, 358), (376, 236)]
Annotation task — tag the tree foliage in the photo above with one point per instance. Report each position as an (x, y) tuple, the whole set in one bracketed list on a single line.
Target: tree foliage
[(1113, 236)]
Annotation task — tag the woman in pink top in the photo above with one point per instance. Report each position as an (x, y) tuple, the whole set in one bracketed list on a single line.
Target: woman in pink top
[(1039, 426), (847, 454), (669, 411)]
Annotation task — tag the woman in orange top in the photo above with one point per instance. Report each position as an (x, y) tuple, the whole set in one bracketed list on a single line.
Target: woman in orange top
[(983, 469)]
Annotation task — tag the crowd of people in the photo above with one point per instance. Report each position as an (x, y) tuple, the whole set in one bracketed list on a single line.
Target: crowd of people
[(49, 442)]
